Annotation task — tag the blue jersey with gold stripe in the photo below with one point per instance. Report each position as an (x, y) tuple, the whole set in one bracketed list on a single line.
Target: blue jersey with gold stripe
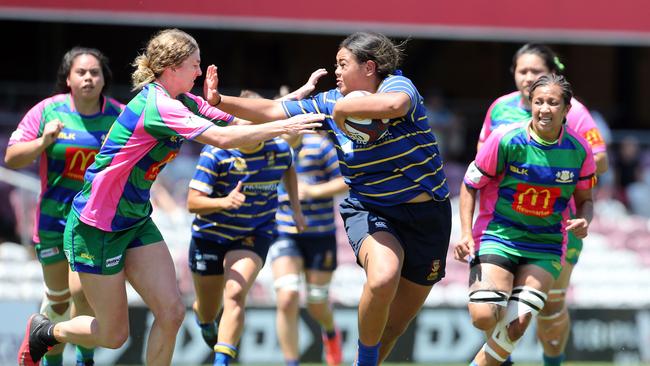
[(394, 169), (217, 174), (316, 162)]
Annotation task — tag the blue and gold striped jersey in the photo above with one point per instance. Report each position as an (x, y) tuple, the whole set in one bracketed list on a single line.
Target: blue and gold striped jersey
[(394, 169), (217, 174), (316, 162)]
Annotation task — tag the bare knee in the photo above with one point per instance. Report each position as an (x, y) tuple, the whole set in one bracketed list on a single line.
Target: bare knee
[(287, 302), (383, 285), (115, 338), (484, 316), (170, 316), (235, 292)]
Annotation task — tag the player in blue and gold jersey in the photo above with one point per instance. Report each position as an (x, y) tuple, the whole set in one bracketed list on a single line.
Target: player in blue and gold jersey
[(397, 216), (234, 193)]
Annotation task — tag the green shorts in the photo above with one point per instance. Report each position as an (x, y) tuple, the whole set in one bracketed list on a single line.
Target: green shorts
[(50, 249), (92, 250), (573, 249), (498, 254)]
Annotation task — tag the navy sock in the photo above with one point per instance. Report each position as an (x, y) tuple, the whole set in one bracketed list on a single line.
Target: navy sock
[(292, 362), (368, 355), (553, 360)]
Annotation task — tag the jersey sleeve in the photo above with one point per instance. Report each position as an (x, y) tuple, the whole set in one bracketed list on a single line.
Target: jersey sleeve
[(202, 108), (207, 171), (29, 127), (582, 122), (402, 84), (486, 129), (303, 106), (176, 119), (488, 163), (587, 179)]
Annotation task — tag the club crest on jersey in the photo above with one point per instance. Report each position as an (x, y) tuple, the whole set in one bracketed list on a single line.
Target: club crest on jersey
[(564, 176), (270, 157), (240, 164), (248, 241), (435, 269)]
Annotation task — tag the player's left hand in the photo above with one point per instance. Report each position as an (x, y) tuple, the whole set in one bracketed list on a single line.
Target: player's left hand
[(578, 226)]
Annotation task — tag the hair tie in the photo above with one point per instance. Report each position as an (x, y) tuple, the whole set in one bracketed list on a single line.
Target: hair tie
[(558, 64)]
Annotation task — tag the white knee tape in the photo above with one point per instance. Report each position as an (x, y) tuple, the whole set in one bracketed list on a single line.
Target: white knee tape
[(289, 282), (556, 295), (51, 292), (46, 309), (317, 293), (499, 298), (524, 300)]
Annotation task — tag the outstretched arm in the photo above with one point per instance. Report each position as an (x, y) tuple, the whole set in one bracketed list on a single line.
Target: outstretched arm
[(230, 137), (256, 110)]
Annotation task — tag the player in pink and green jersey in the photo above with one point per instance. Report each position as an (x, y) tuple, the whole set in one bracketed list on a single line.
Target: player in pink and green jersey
[(65, 131), (528, 63), (526, 173), (109, 236)]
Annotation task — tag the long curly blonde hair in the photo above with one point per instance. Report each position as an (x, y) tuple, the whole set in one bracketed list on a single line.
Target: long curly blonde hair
[(168, 48)]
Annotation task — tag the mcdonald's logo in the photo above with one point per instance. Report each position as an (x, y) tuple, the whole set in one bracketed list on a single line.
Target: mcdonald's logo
[(155, 168), (77, 160), (535, 201)]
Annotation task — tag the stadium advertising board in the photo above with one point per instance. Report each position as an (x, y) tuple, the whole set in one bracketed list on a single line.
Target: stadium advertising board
[(437, 335)]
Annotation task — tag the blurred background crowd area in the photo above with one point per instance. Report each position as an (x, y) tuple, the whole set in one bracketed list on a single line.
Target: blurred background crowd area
[(458, 76)]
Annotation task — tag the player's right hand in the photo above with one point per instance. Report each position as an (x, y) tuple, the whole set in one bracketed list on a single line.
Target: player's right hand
[(235, 198), (464, 249), (51, 132), (303, 123)]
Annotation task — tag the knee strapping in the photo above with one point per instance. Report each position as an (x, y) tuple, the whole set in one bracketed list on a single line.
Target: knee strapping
[(47, 304), (289, 282), (317, 293), (553, 328), (499, 298), (556, 295), (524, 300)]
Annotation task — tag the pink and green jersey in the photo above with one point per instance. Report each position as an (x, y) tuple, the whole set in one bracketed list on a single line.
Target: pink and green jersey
[(511, 109), (63, 163), (526, 187), (144, 138)]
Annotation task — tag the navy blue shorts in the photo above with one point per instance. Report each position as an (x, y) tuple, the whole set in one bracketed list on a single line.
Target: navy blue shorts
[(206, 256), (423, 229), (317, 252)]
